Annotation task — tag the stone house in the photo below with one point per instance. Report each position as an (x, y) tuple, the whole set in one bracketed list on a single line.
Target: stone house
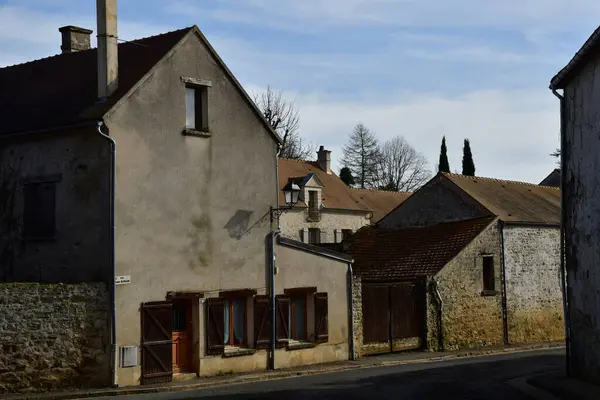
[(580, 123), (477, 257), (130, 183), (328, 211)]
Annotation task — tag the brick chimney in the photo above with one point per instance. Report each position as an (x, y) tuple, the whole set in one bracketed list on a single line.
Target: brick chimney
[(108, 63), (74, 38), (324, 159)]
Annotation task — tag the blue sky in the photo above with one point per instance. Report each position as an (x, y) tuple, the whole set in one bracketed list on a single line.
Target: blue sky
[(476, 69)]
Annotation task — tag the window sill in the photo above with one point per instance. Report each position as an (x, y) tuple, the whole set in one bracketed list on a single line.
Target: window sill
[(489, 293), (194, 132), (237, 352), (298, 345)]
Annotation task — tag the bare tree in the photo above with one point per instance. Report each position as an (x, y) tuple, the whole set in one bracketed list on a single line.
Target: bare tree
[(360, 156), (400, 167), (283, 116)]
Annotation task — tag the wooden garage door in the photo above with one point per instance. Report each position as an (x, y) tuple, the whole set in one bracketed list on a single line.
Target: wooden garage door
[(157, 342), (376, 313)]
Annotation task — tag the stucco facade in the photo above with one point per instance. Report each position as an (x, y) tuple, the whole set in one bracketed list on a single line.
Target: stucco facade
[(533, 284), (581, 203)]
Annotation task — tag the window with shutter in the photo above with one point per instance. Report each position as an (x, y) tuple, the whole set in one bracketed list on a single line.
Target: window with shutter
[(282, 320), (262, 322), (321, 318), (314, 235), (215, 314), (323, 237)]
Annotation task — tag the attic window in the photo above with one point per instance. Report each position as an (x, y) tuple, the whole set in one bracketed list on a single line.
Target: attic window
[(196, 106)]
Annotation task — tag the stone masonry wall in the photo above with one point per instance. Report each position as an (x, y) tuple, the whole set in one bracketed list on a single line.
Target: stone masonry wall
[(53, 336), (292, 222), (357, 315), (533, 288), (471, 318)]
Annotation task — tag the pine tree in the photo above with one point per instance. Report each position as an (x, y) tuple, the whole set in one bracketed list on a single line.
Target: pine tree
[(346, 176), (444, 165), (468, 166), (361, 155)]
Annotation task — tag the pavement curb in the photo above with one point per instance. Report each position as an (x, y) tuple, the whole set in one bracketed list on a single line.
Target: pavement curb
[(282, 374)]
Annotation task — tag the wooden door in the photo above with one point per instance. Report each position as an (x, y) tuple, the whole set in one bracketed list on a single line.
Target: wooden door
[(407, 311), (157, 344), (182, 336)]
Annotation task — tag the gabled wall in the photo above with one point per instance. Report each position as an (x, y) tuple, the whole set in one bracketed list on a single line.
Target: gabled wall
[(436, 202), (582, 208)]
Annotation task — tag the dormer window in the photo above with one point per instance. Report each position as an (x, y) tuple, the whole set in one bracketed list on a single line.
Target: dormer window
[(313, 205)]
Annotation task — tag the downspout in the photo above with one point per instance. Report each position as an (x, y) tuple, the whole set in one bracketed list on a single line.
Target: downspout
[(563, 271), (440, 303), (351, 309), (272, 268), (503, 271), (112, 285)]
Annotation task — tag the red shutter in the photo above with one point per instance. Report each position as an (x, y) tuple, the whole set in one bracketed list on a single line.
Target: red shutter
[(215, 313), (262, 322), (282, 319), (321, 318)]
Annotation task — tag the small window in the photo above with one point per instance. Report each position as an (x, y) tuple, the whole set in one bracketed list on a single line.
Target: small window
[(234, 322), (313, 205), (298, 317), (180, 319), (196, 108), (314, 235), (39, 210), (489, 282), (346, 234)]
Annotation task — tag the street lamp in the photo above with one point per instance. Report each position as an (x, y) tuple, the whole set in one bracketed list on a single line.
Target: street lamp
[(291, 193)]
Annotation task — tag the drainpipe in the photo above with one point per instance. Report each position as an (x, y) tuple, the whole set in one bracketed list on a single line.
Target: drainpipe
[(563, 270), (440, 303), (351, 308), (272, 268), (112, 285), (503, 270)]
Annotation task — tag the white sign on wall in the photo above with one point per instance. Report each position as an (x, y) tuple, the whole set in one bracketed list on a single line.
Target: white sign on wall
[(123, 279)]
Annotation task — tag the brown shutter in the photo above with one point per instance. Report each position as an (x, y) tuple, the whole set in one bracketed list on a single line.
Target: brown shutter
[(262, 322), (215, 310), (321, 318), (157, 342), (282, 319)]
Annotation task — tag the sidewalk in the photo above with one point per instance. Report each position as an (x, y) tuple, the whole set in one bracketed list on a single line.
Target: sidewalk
[(563, 387), (366, 362)]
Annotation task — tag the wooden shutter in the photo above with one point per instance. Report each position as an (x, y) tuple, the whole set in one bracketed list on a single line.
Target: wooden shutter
[(282, 320), (157, 342), (321, 318), (305, 237), (215, 314), (323, 236), (262, 322)]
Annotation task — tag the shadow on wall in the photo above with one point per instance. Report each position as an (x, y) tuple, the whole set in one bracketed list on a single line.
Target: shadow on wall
[(238, 224)]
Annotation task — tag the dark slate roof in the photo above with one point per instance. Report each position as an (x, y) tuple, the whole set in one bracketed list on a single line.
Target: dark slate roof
[(588, 50), (393, 255), (318, 250), (62, 89), (552, 180)]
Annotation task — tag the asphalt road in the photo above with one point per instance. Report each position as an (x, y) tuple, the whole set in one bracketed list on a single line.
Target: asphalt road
[(465, 379)]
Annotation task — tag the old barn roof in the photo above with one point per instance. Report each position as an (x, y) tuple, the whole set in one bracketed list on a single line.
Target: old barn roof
[(512, 201), (380, 202), (390, 255)]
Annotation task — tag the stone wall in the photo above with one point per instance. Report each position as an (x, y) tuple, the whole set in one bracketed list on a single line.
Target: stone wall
[(471, 318), (292, 222), (357, 316), (533, 287), (53, 336)]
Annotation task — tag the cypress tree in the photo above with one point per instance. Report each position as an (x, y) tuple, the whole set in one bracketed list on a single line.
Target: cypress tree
[(444, 165), (468, 166)]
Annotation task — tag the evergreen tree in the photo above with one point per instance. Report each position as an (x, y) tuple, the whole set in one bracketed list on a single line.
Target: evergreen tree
[(444, 165), (361, 155), (346, 176), (468, 166)]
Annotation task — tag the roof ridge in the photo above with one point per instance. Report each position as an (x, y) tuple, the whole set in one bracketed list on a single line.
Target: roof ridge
[(449, 174), (380, 190), (92, 49), (466, 220)]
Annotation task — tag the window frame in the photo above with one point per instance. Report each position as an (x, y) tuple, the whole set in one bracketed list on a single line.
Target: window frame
[(488, 275), (314, 209), (318, 235), (228, 306), (201, 126), (293, 334), (39, 182)]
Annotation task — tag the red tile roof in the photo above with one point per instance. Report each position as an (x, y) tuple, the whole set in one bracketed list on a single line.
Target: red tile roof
[(62, 89), (380, 202), (393, 255)]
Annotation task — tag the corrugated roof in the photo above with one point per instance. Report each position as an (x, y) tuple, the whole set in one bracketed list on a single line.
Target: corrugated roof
[(62, 89), (390, 255), (589, 49), (380, 202), (335, 193), (512, 201)]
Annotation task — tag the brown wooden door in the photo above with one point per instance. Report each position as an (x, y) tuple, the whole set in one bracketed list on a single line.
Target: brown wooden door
[(376, 313), (406, 311), (182, 336), (157, 342)]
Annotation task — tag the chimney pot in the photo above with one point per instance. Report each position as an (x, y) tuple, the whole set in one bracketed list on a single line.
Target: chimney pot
[(324, 159), (74, 38)]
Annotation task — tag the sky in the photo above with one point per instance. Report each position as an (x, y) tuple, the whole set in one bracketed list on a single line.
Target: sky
[(476, 69)]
